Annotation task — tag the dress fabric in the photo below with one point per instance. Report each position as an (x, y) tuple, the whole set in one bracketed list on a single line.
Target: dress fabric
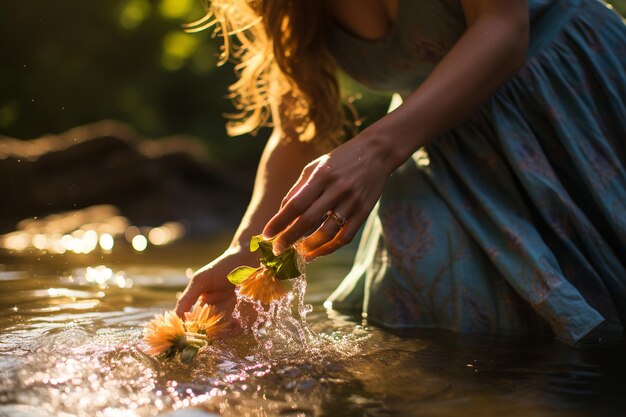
[(514, 221)]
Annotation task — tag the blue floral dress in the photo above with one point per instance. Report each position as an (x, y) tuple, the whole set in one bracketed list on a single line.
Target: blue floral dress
[(516, 219)]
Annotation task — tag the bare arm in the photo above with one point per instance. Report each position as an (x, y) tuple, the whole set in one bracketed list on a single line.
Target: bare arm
[(488, 54), (281, 163), (351, 178)]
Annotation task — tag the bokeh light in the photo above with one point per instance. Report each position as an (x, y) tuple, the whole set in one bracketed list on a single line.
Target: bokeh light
[(140, 243), (106, 242), (176, 9), (133, 13), (178, 48), (85, 231)]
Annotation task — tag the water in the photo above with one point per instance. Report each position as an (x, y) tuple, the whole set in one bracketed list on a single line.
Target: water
[(70, 345)]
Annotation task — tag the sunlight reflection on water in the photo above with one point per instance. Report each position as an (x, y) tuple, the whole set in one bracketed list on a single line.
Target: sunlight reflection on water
[(73, 347), (85, 231)]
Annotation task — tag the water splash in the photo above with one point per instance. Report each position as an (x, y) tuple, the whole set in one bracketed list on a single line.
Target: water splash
[(91, 364), (282, 332), (56, 361)]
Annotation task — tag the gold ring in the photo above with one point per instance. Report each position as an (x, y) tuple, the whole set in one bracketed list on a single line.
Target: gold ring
[(337, 218)]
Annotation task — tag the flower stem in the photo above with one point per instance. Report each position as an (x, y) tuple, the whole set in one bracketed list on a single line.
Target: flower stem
[(195, 336)]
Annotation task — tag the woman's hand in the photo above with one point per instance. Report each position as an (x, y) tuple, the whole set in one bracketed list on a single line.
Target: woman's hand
[(349, 180), (211, 286)]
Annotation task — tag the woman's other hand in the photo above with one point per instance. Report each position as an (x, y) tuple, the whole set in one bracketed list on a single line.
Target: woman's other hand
[(349, 180), (210, 285)]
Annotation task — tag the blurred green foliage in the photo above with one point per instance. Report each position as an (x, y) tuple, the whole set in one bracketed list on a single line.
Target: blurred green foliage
[(69, 62)]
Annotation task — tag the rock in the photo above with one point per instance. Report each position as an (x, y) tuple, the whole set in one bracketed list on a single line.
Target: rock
[(149, 181)]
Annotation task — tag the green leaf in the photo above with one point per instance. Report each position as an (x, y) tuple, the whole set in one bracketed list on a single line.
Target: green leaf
[(267, 252), (284, 266), (265, 246), (254, 242), (240, 274), (287, 267)]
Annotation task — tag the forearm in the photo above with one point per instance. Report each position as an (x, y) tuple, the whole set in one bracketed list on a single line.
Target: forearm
[(489, 53), (281, 163)]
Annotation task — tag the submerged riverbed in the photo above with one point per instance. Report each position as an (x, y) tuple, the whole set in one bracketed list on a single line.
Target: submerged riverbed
[(70, 345)]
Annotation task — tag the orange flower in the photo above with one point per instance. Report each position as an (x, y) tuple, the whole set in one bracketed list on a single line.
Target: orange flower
[(205, 319), (262, 286), (163, 332)]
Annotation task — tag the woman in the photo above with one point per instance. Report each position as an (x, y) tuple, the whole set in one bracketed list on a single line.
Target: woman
[(501, 177)]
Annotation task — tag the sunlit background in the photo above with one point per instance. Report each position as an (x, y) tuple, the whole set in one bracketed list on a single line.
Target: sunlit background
[(67, 63), (70, 69), (163, 170), (117, 180)]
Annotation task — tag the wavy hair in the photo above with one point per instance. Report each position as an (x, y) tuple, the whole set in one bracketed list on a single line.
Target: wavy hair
[(284, 68)]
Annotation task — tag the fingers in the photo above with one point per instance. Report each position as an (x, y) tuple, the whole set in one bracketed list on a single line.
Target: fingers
[(343, 237), (294, 208), (216, 297), (297, 200), (326, 232), (309, 220), (189, 297), (302, 180), (320, 237), (185, 302)]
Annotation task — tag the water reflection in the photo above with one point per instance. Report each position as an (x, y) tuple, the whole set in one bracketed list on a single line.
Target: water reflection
[(71, 346)]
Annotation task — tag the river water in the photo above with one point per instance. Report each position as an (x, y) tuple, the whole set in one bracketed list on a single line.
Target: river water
[(70, 345)]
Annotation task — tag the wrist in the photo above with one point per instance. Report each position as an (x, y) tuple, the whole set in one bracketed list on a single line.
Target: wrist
[(384, 147), (241, 253), (401, 134)]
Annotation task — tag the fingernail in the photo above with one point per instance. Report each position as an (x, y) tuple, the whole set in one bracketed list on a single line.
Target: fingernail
[(277, 248), (268, 234)]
